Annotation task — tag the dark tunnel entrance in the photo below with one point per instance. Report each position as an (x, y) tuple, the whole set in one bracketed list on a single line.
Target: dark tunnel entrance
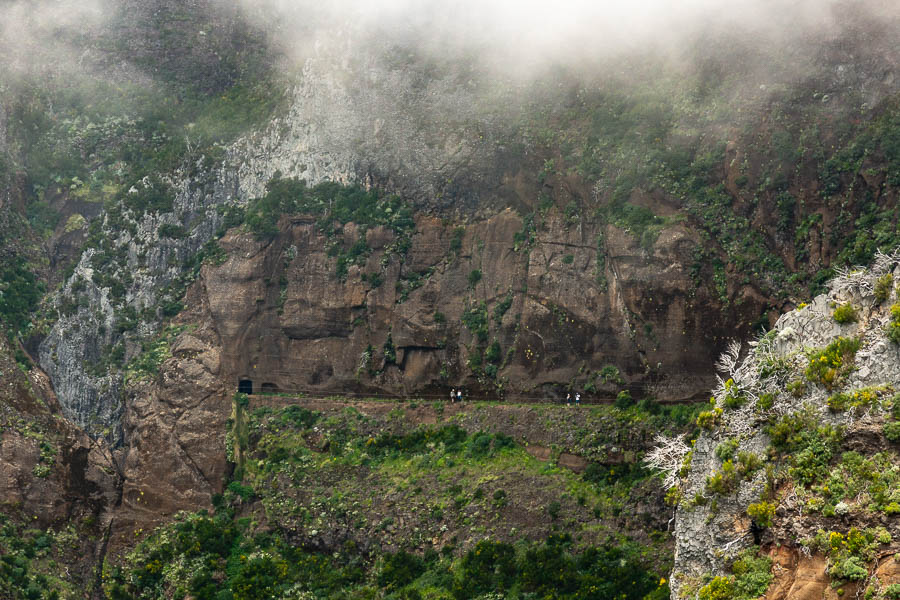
[(245, 386), (268, 388)]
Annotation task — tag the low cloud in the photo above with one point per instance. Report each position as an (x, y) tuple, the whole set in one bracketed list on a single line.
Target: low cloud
[(47, 34), (517, 35)]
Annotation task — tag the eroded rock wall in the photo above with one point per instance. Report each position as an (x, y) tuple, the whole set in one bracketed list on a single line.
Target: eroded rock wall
[(292, 324)]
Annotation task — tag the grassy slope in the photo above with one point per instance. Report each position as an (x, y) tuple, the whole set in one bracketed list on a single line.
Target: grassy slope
[(388, 507)]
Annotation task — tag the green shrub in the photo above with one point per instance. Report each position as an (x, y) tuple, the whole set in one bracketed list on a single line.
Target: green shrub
[(21, 294), (489, 566), (762, 513), (708, 418), (42, 217), (785, 433), (568, 259), (829, 365), (851, 568), (894, 404), (753, 574), (674, 496), (624, 399), (765, 402), (475, 360), (243, 491), (893, 330), (845, 313), (796, 388), (810, 464), (479, 445), (417, 441), (610, 374), (733, 397), (167, 230), (892, 592), (474, 277), (475, 319), (502, 306), (725, 450), (553, 510), (892, 431), (722, 482), (883, 287), (859, 398), (810, 447), (493, 353), (747, 464), (399, 570), (456, 239), (298, 417), (720, 588)]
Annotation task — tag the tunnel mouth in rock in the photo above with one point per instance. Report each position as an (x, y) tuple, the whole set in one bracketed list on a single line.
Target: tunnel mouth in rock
[(245, 386), (268, 388)]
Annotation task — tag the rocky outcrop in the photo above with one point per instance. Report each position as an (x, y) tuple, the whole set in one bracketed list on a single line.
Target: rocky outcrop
[(174, 429), (76, 352), (460, 145), (797, 419)]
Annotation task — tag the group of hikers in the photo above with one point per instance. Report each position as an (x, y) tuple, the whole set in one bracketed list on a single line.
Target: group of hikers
[(456, 395)]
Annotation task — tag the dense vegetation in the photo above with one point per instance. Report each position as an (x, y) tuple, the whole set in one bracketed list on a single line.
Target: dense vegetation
[(30, 561), (218, 557), (796, 181), (319, 534)]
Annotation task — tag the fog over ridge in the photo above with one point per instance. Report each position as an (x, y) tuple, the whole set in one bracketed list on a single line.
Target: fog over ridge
[(509, 36), (510, 33)]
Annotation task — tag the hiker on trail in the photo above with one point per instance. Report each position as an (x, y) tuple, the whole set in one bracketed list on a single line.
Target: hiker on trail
[(459, 395), (568, 398), (452, 395), (578, 399)]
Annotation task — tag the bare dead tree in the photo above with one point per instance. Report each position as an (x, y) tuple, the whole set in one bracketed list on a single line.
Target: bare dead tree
[(667, 457)]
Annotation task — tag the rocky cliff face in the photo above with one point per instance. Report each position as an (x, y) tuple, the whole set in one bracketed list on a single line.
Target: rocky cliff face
[(52, 475), (555, 323), (92, 317), (799, 453)]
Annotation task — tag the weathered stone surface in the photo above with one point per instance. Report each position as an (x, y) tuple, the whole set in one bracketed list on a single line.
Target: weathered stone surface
[(174, 432), (888, 572), (563, 324), (706, 539)]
